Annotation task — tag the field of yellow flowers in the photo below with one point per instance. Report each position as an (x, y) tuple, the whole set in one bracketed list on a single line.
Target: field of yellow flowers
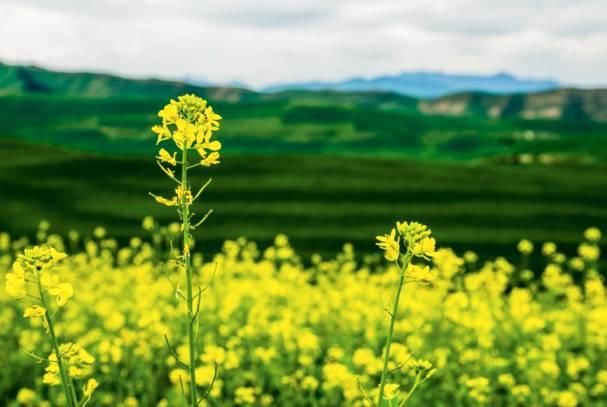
[(284, 333), (86, 321)]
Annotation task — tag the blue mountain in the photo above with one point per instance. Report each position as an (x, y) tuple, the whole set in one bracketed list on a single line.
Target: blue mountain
[(428, 84)]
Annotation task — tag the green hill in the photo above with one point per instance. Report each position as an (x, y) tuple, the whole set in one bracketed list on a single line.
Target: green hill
[(105, 113), (562, 104), (28, 80)]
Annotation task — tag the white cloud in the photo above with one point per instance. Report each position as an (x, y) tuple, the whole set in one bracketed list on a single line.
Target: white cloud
[(268, 41)]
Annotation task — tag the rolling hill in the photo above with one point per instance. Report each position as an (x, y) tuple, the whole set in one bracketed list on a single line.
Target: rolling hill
[(23, 80), (562, 104)]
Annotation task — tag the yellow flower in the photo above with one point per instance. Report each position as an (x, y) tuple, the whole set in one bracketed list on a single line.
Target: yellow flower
[(390, 245), (244, 395), (90, 387), (34, 311), (15, 285), (212, 118), (420, 274), (506, 380), (75, 371), (26, 396), (390, 391), (417, 238), (177, 376), (162, 132), (525, 247), (211, 159), (567, 399), (40, 258), (470, 256), (549, 248), (166, 202), (51, 379), (63, 292), (589, 252), (164, 156), (203, 142), (592, 234), (424, 247), (169, 114), (185, 135), (183, 194)]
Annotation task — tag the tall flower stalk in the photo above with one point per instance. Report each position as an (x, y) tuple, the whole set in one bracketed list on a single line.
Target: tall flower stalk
[(190, 123), (405, 242)]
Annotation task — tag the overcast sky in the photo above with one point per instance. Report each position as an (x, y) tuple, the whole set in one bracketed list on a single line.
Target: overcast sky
[(261, 41)]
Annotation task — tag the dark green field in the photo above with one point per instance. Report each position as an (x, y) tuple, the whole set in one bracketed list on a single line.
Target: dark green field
[(320, 201)]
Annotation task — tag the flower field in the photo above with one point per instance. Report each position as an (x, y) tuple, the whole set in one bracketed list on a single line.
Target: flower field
[(159, 321), (282, 331)]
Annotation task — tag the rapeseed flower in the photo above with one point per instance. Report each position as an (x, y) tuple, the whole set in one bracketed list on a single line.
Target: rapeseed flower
[(390, 245)]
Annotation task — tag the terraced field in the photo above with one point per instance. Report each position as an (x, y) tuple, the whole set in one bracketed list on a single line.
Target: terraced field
[(319, 201)]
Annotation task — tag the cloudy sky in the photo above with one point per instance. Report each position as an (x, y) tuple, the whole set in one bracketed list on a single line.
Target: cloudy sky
[(261, 41)]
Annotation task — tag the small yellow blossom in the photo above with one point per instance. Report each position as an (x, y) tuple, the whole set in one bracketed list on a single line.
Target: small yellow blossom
[(185, 135), (162, 132), (164, 156), (244, 395), (15, 285), (589, 252), (34, 311), (425, 247), (525, 247), (63, 292), (90, 387), (26, 396), (211, 159), (391, 391), (593, 234), (420, 274), (390, 244), (212, 118), (549, 248), (183, 195), (167, 202), (169, 113)]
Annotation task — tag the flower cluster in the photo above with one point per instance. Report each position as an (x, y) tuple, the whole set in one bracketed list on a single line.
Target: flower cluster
[(190, 122), (415, 237), (37, 266), (77, 360)]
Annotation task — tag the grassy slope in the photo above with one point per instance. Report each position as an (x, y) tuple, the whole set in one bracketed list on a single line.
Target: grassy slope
[(319, 201), (295, 122)]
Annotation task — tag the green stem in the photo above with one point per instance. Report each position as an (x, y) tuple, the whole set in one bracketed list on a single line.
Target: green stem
[(402, 403), (73, 390), (185, 214), (64, 377), (401, 283)]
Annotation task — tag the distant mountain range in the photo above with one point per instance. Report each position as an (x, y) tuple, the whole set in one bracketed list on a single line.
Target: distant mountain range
[(493, 97), (428, 84)]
